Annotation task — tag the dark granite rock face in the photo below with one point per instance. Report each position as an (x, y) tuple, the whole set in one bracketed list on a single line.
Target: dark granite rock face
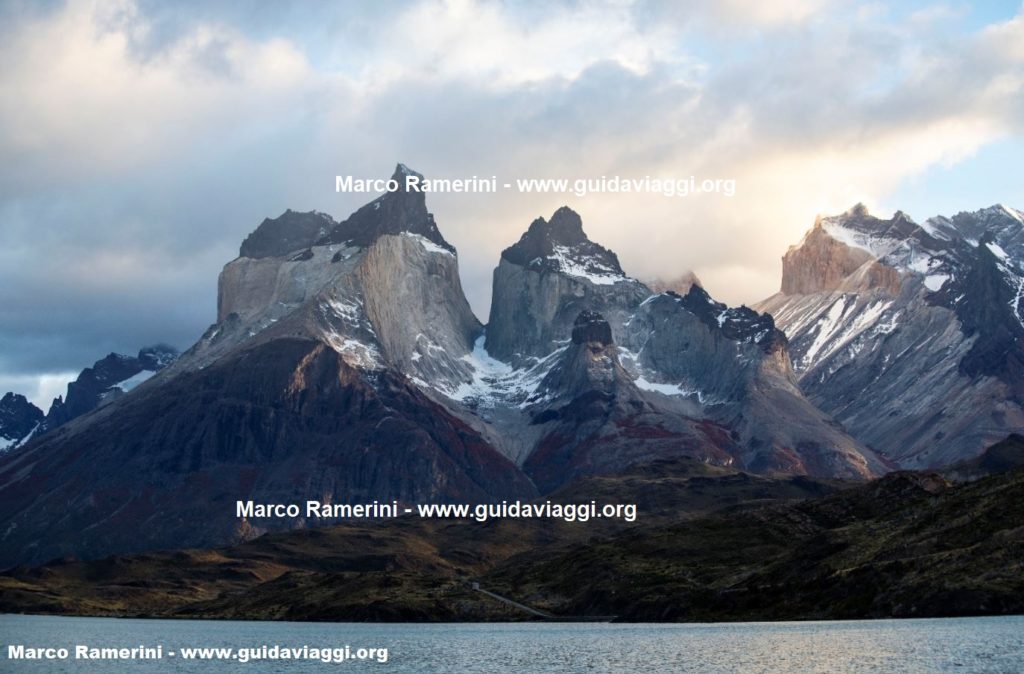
[(19, 419), (291, 231), (539, 246), (157, 357), (988, 308), (107, 379), (590, 326), (396, 212), (739, 324)]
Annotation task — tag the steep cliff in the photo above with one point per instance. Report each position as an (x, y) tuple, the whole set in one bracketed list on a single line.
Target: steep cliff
[(543, 282)]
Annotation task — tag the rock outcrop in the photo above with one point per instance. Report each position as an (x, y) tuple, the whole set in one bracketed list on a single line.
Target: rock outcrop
[(821, 264), (596, 420)]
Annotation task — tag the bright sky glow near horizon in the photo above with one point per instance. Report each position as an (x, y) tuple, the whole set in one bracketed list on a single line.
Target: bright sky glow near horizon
[(143, 140)]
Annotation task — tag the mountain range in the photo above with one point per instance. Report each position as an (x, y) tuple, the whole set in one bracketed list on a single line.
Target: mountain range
[(107, 379), (346, 365), (910, 335)]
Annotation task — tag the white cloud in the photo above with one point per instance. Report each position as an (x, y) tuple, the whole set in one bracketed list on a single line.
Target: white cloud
[(80, 103), (39, 389)]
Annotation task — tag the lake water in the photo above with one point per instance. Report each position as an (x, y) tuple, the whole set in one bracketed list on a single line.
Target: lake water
[(945, 645)]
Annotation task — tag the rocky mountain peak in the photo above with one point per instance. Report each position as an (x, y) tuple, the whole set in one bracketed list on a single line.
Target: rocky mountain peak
[(109, 378), (739, 324), (589, 365), (819, 263), (591, 326), (859, 220), (396, 212), (837, 246), (546, 279), (858, 210), (286, 233), (157, 357), (566, 227), (401, 211), (19, 420), (561, 245)]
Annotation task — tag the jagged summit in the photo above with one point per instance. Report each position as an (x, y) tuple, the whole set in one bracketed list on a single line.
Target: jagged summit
[(561, 245), (19, 421), (401, 211), (858, 228), (290, 231), (740, 324), (108, 379), (157, 357), (397, 212), (543, 282), (401, 171)]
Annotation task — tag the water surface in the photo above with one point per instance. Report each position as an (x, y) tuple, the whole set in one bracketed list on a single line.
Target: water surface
[(966, 645)]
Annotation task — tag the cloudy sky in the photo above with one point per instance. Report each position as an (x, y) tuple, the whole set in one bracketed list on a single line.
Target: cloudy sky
[(141, 141)]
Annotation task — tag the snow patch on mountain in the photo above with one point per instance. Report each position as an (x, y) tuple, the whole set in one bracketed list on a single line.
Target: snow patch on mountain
[(131, 382), (573, 263), (669, 389), (1013, 213), (997, 250), (346, 329), (428, 244), (493, 382), (7, 444), (840, 326), (854, 239), (354, 352)]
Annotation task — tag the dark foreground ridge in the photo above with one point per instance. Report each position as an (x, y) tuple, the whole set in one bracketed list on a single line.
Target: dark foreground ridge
[(710, 545)]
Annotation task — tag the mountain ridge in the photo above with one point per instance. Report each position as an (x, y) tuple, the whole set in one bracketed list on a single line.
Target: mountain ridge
[(334, 337), (909, 334)]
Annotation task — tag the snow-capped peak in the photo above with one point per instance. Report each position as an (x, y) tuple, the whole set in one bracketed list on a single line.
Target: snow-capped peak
[(1013, 213)]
